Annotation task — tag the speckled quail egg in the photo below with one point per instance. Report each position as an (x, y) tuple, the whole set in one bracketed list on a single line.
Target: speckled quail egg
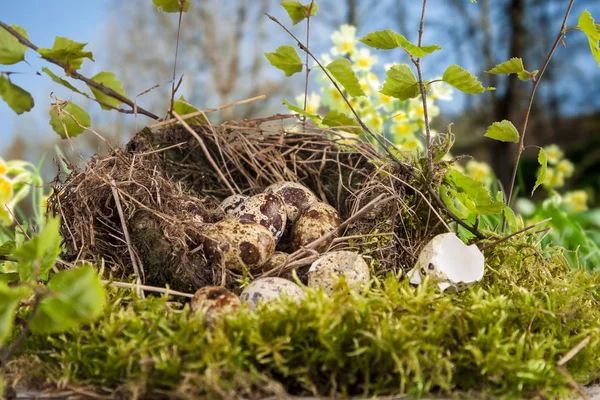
[(295, 197), (278, 258), (238, 244), (266, 209), (315, 221), (269, 289), (324, 272), (214, 301), (232, 202)]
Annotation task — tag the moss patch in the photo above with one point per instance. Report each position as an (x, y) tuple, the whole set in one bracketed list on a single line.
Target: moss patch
[(502, 337)]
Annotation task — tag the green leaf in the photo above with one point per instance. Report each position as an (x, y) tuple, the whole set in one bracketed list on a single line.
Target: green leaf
[(172, 6), (541, 177), (11, 50), (10, 298), (338, 119), (401, 83), (67, 51), (341, 69), (301, 111), (388, 40), (38, 255), (77, 297), (592, 31), (449, 201), (17, 98), (182, 107), (285, 58), (61, 121), (473, 194), (62, 82), (461, 79), (503, 131), (512, 66), (511, 218), (108, 80), (297, 11), (7, 248)]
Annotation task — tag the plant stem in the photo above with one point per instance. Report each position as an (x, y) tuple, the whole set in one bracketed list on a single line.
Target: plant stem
[(8, 352), (173, 89), (307, 67), (76, 75), (536, 82)]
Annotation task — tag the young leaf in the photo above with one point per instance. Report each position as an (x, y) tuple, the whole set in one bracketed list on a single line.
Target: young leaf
[(297, 11), (15, 96), (10, 298), (401, 83), (11, 50), (72, 128), (388, 40), (449, 201), (338, 119), (182, 107), (108, 80), (301, 111), (341, 69), (461, 79), (68, 51), (38, 255), (541, 178), (172, 6), (62, 82), (590, 29), (511, 218), (503, 131), (512, 66), (77, 297), (473, 194), (285, 58)]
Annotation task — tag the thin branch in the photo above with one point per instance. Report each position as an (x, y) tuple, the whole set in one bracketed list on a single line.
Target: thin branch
[(125, 285), (8, 352), (173, 89), (536, 81), (76, 75), (307, 67), (505, 238)]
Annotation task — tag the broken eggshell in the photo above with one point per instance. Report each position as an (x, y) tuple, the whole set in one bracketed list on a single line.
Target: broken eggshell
[(266, 209), (449, 262), (324, 272), (295, 197), (269, 289)]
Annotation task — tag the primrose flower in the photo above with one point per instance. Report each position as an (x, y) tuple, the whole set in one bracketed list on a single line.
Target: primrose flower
[(6, 189), (344, 40), (3, 167), (441, 90), (363, 60), (554, 179), (412, 145), (313, 102), (332, 99), (403, 130), (566, 168), (479, 171), (385, 102), (374, 121), (416, 110), (554, 153), (576, 200)]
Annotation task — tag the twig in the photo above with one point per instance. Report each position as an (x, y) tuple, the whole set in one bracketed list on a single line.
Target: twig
[(417, 62), (536, 81), (125, 285), (200, 112), (206, 152), (76, 75), (574, 384), (307, 67), (7, 353), (505, 238), (173, 90), (136, 270)]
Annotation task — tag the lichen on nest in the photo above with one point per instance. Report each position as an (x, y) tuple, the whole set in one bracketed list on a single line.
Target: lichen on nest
[(503, 337)]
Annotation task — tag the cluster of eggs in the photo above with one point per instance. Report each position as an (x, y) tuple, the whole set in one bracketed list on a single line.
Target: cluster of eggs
[(247, 239)]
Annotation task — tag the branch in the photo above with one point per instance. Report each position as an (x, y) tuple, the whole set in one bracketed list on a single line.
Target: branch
[(76, 75)]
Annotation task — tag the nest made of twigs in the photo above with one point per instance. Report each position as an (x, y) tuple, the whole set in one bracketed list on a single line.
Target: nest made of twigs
[(141, 209)]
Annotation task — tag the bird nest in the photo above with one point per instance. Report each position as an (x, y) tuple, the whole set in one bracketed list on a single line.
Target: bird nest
[(141, 209)]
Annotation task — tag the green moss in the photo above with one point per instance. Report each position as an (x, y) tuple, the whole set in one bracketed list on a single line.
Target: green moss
[(502, 337)]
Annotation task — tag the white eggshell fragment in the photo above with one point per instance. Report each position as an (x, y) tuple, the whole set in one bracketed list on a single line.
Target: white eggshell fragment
[(214, 301), (295, 197), (237, 244), (230, 203), (324, 272), (449, 262), (315, 221), (270, 289), (266, 209)]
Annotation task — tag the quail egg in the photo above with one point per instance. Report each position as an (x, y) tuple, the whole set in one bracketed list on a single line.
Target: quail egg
[(278, 258), (230, 203), (266, 209), (269, 289), (214, 301), (295, 197), (238, 244), (315, 221), (324, 272)]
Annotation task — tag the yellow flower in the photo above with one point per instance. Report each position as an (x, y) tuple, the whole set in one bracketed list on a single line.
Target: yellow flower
[(479, 171), (6, 189), (554, 153), (344, 40), (554, 179), (5, 215), (412, 145), (576, 200), (363, 60), (566, 168), (313, 102), (3, 167)]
